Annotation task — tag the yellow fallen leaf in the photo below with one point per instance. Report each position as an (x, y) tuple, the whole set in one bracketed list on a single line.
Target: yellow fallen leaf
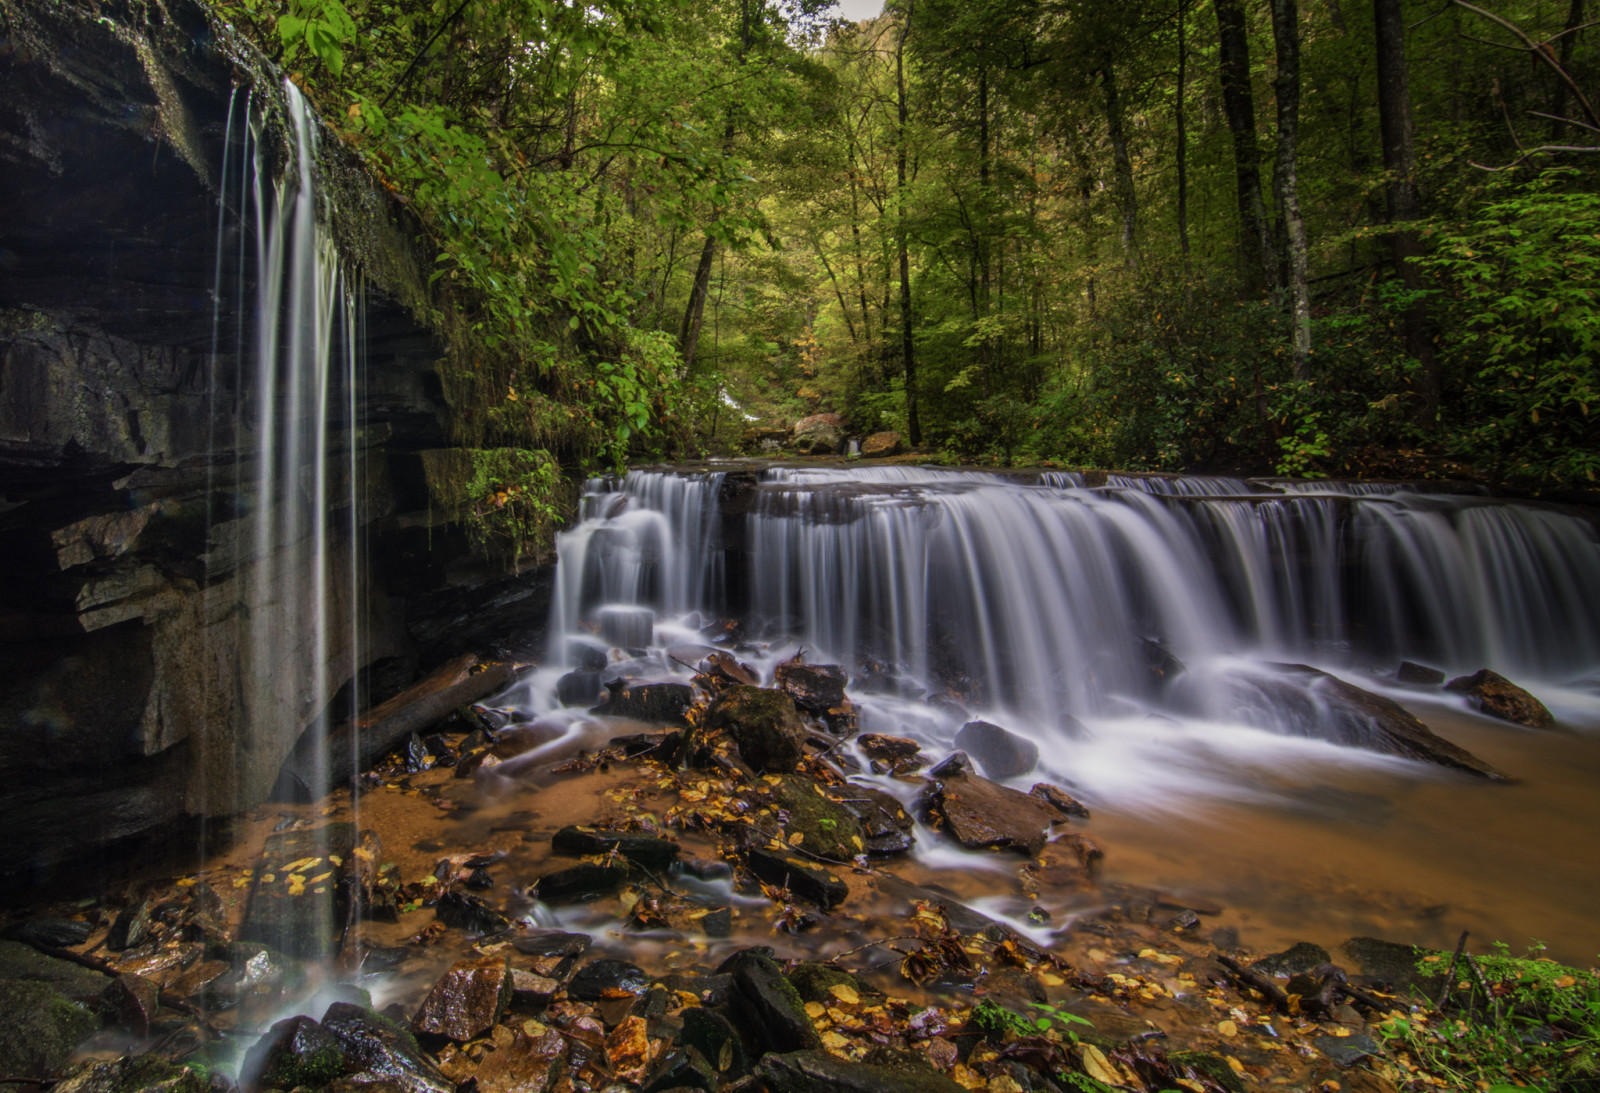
[(320, 877), (1051, 979), (1228, 1029), (268, 878), (967, 1078), (1235, 1064), (335, 859), (856, 839), (302, 865), (1098, 1067), (797, 838), (1565, 981), (833, 1041), (813, 1009), (187, 882), (845, 993), (296, 879)]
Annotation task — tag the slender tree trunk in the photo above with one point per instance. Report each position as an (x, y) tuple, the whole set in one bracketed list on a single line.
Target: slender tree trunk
[(1400, 163), (1256, 258), (1183, 132), (861, 268), (1286, 35), (1569, 43), (1122, 165), (902, 139), (980, 236)]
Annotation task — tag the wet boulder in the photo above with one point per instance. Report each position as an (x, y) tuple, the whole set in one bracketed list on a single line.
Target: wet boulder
[(998, 752), (802, 878), (883, 444), (815, 982), (530, 990), (1491, 693), (890, 754), (581, 883), (657, 703), (1297, 959), (131, 927), (461, 911), (601, 979), (1418, 675), (627, 627), (587, 656), (763, 723), (41, 1027), (815, 688), (767, 1006), (524, 1064), (981, 815), (145, 1073), (820, 1072), (819, 434), (580, 687), (1160, 662), (650, 851), (296, 1052), (816, 822), (467, 1000), (885, 824), (382, 1049), (49, 933), (131, 1002)]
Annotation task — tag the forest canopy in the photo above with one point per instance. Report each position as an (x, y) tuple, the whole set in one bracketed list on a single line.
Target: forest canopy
[(1358, 238)]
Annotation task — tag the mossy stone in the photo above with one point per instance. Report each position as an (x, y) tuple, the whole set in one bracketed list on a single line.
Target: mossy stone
[(41, 1027), (826, 828)]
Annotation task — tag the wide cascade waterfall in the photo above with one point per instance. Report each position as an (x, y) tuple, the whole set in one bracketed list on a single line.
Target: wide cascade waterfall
[(1151, 628)]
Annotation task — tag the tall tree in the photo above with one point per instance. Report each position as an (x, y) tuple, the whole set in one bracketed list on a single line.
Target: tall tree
[(1256, 257), (1286, 36), (902, 244), (1400, 167)]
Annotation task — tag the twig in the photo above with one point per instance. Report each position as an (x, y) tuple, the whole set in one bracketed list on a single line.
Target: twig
[(1544, 57), (1260, 983), (872, 945), (1450, 973), (1565, 121), (1483, 984), (423, 52)]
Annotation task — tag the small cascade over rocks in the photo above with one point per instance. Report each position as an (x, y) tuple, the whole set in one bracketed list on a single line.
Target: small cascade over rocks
[(1163, 627)]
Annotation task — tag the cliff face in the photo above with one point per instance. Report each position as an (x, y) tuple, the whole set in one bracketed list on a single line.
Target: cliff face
[(133, 594)]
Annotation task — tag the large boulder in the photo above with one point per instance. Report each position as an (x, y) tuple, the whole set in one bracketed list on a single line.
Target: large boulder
[(882, 445), (817, 823), (819, 1072), (819, 434), (1494, 694), (657, 703), (998, 752), (763, 723), (467, 1000), (768, 1006)]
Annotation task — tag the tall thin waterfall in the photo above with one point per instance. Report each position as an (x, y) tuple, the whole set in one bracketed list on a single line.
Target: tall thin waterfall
[(285, 556), (1044, 602)]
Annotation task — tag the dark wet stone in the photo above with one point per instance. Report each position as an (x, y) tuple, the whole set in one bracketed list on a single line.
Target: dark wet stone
[(1393, 966), (680, 1071), (767, 1007), (1347, 1050), (304, 925), (295, 1052), (952, 764), (383, 1048), (660, 703), (1160, 662), (713, 990), (1362, 719), (51, 933), (1064, 802), (819, 1072), (131, 1002), (726, 668), (581, 883), (131, 927), (143, 1074), (41, 1026), (627, 627), (467, 1000), (579, 688), (805, 880), (72, 981), (532, 990), (1295, 960), (1418, 674), (195, 980), (885, 824), (763, 723), (891, 754), (514, 740), (587, 656), (606, 978), (1491, 693), (815, 688), (417, 756), (718, 923), (980, 815), (813, 982), (461, 911), (649, 851), (1014, 988), (999, 753), (552, 943)]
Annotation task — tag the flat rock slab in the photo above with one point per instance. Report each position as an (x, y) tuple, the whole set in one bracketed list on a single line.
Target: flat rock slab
[(819, 1072), (657, 703), (1064, 802), (981, 815), (467, 1000), (1494, 694), (805, 880), (581, 883), (650, 851), (293, 898), (604, 979)]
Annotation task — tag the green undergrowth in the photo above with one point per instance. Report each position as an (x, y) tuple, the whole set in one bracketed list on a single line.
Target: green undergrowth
[(1505, 1023)]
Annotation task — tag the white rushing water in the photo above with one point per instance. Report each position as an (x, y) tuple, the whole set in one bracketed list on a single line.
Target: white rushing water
[(1042, 605)]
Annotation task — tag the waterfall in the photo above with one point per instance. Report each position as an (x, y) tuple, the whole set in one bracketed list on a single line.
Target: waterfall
[(1039, 602), (284, 555)]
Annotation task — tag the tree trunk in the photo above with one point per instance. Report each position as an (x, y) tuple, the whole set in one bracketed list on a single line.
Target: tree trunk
[(1122, 164), (1569, 42), (1400, 164), (1256, 259), (1286, 36), (1183, 132), (902, 138)]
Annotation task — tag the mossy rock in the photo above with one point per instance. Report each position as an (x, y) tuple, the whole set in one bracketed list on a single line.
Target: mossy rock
[(146, 1074), (41, 1027), (826, 828), (1205, 1064), (815, 982)]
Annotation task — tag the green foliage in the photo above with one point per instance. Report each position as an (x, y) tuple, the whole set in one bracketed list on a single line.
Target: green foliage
[(1541, 1029), (513, 502), (1521, 327)]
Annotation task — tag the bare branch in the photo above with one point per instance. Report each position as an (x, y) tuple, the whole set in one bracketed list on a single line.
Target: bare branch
[(1542, 150), (1566, 121), (1545, 56)]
